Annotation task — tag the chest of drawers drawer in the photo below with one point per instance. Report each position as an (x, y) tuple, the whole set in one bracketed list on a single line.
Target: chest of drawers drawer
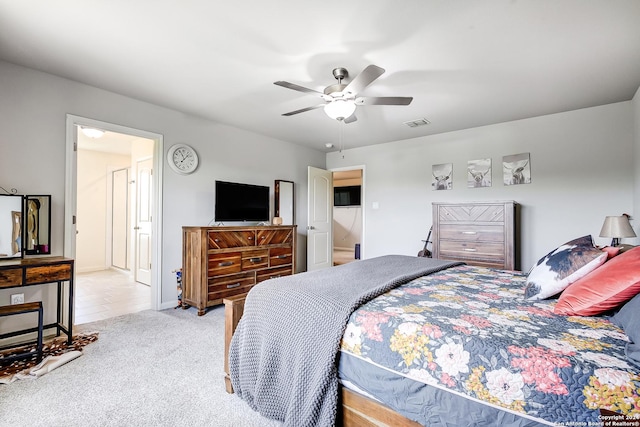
[(224, 263), (252, 260), (472, 232), (493, 252), (231, 239), (272, 273), (280, 256), (225, 286)]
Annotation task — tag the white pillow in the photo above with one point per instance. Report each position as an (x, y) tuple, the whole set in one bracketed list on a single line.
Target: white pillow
[(563, 266)]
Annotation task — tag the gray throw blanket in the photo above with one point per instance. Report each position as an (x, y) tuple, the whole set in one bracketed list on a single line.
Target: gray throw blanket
[(282, 358)]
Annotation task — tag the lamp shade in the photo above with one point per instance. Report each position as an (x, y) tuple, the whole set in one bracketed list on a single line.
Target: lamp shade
[(617, 227), (340, 109)]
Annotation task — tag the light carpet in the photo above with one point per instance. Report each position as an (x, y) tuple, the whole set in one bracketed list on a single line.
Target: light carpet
[(153, 368)]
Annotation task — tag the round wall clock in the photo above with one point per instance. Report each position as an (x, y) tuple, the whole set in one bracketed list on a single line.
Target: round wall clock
[(182, 159)]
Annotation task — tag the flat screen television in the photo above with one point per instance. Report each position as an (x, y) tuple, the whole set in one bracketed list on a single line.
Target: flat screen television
[(347, 196), (241, 202)]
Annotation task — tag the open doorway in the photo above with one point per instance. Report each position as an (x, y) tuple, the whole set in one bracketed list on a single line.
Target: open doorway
[(113, 205), (347, 216)]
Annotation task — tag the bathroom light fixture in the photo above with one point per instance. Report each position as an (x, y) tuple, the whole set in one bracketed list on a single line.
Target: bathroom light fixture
[(340, 109), (92, 132)]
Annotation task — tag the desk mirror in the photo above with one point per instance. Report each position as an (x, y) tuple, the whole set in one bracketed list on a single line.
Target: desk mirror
[(11, 227), (37, 224), (284, 201)]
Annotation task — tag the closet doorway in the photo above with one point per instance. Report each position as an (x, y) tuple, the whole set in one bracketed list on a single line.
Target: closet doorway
[(348, 221)]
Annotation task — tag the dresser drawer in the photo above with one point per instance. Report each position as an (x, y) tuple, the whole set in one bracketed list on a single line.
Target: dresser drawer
[(231, 239), (274, 237), (10, 277), (487, 251), (280, 256), (225, 263), (252, 260), (472, 232), (226, 286), (48, 273), (272, 273), (473, 213)]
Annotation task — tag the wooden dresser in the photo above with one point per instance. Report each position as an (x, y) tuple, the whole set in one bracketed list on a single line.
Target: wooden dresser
[(220, 262), (478, 233)]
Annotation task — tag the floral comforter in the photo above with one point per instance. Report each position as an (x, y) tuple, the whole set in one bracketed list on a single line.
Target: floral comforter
[(469, 330)]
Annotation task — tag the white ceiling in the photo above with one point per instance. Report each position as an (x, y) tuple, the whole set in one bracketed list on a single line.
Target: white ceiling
[(467, 63)]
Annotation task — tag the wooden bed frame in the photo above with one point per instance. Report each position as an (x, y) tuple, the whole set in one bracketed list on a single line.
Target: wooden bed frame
[(356, 409)]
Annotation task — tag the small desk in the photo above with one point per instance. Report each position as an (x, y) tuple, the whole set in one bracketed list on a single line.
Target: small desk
[(38, 271)]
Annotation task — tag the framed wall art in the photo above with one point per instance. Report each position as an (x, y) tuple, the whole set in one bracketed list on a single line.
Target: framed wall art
[(516, 169), (479, 173), (442, 176)]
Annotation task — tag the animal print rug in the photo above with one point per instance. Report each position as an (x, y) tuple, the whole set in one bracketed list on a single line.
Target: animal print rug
[(54, 347)]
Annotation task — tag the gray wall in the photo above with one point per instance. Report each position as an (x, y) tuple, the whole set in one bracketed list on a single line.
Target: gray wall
[(581, 164), (33, 109)]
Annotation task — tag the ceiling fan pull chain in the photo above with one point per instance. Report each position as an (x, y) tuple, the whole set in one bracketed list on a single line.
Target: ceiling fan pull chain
[(340, 131)]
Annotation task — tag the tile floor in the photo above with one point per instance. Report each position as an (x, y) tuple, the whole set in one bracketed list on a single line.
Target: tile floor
[(108, 293), (342, 256)]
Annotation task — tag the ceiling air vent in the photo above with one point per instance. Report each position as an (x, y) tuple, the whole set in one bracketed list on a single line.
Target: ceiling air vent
[(417, 122)]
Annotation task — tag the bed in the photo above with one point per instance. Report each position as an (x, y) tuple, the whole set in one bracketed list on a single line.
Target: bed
[(436, 343)]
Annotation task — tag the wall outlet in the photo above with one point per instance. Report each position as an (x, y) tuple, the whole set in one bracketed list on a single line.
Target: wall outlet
[(17, 299)]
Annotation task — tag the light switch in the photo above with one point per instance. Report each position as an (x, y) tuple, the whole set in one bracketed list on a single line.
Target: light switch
[(375, 205)]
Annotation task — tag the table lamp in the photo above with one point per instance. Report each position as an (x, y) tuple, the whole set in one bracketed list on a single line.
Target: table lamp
[(617, 227)]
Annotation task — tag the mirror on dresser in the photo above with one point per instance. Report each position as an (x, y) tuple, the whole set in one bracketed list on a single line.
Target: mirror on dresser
[(284, 201), (25, 225), (11, 215), (37, 224)]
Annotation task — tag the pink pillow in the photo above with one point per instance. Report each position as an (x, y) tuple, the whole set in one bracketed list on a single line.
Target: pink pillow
[(611, 251), (604, 289)]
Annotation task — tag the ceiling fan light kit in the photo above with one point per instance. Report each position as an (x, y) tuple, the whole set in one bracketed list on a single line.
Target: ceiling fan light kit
[(341, 100), (340, 109)]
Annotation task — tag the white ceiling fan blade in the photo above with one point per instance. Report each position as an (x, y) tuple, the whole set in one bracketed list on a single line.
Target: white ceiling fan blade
[(384, 100), (364, 79), (291, 113), (298, 88)]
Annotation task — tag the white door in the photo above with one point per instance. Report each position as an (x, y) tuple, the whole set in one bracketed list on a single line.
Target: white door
[(142, 228), (120, 215), (319, 219)]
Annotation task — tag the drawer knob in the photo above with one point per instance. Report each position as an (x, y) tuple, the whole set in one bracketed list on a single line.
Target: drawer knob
[(254, 260), (281, 256), (225, 264), (235, 285), (469, 232), (275, 277), (470, 250)]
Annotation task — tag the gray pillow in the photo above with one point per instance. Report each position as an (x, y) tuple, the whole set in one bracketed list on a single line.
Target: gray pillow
[(628, 318)]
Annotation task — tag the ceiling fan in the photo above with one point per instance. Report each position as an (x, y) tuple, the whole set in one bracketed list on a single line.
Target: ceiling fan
[(340, 100)]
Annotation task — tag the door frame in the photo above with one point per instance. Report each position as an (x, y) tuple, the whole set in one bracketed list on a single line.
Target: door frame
[(70, 199), (363, 204)]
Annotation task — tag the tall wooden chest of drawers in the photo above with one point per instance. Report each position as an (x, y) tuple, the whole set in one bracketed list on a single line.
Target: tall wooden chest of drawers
[(478, 233), (220, 262)]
